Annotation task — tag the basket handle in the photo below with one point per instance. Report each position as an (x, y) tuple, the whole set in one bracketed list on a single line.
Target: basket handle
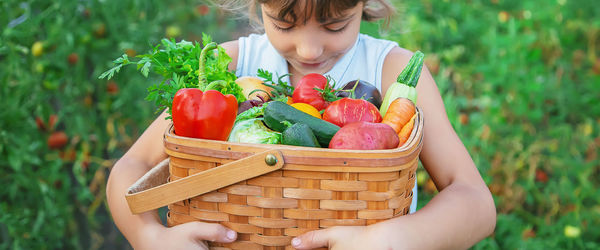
[(204, 182)]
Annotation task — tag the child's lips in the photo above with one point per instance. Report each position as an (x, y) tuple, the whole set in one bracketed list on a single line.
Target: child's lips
[(311, 65)]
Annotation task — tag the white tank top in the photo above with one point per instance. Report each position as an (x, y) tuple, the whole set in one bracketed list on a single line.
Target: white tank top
[(363, 61)]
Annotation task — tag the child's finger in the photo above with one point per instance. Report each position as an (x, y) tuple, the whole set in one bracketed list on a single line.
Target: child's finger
[(211, 232), (312, 239)]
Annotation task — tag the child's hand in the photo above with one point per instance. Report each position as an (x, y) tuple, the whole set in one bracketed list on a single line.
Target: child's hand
[(189, 235), (343, 237)]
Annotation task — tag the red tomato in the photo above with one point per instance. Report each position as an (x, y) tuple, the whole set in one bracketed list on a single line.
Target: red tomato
[(57, 140), (305, 91), (348, 110)]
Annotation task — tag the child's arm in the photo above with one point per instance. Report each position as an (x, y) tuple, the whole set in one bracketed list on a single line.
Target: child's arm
[(460, 215), (145, 231)]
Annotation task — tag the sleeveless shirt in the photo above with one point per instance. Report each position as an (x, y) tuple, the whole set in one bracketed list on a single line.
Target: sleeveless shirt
[(363, 61)]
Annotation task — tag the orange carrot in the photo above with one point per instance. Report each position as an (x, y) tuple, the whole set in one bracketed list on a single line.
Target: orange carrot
[(406, 130), (399, 113)]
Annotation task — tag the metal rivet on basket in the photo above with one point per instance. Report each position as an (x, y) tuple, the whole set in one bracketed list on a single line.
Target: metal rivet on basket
[(271, 160)]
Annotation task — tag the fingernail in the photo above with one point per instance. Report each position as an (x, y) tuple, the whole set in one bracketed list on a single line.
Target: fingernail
[(296, 242), (231, 235)]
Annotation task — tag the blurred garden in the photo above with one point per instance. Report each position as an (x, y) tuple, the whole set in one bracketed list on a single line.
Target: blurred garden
[(520, 80)]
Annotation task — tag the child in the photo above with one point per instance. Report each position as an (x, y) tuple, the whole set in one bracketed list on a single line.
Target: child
[(323, 37)]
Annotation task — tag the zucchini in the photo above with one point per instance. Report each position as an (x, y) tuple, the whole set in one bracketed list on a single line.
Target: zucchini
[(405, 85), (276, 113), (299, 134)]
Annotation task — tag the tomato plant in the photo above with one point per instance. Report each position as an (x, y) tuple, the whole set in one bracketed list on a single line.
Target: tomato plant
[(518, 83), (61, 128)]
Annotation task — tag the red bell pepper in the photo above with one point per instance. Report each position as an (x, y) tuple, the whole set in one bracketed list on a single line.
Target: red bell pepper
[(315, 90), (208, 114), (348, 110)]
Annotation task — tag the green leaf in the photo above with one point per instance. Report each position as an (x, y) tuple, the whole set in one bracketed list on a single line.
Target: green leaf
[(145, 64)]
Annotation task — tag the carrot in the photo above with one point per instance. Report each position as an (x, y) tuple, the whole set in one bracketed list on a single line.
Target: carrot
[(406, 130), (399, 113)]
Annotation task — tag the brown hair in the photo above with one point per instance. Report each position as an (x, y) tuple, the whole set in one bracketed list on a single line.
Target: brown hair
[(323, 9)]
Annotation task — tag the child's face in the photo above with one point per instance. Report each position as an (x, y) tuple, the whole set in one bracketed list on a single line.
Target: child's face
[(311, 46)]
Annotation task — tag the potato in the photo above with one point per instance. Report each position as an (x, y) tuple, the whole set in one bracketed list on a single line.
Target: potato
[(365, 135), (249, 84)]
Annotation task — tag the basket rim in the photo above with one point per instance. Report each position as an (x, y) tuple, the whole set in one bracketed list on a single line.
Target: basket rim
[(175, 144)]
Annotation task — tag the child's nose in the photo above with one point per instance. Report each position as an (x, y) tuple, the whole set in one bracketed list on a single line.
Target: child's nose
[(309, 49)]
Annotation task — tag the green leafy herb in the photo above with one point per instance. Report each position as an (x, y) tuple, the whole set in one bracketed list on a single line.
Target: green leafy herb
[(178, 64), (281, 89)]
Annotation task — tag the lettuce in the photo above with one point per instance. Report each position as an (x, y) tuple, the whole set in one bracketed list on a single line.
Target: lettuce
[(254, 131)]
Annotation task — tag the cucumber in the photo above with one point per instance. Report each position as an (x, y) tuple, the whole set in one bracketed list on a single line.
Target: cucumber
[(299, 134), (278, 112)]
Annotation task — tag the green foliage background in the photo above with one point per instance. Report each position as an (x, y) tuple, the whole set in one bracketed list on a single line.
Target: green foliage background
[(54, 198), (520, 82)]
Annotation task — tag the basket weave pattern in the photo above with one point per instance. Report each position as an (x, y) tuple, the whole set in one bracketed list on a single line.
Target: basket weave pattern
[(271, 209)]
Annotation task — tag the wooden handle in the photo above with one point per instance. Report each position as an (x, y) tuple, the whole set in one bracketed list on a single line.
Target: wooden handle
[(205, 181)]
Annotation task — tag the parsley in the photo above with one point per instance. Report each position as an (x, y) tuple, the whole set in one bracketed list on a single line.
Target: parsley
[(178, 64), (280, 88)]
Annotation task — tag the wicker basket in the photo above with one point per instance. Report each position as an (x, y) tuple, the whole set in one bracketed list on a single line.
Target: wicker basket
[(271, 193)]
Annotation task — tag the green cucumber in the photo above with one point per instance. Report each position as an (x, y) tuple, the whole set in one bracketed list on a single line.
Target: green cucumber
[(299, 134), (277, 113)]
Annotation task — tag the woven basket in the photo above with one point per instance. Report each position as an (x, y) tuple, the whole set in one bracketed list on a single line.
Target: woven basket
[(271, 193)]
